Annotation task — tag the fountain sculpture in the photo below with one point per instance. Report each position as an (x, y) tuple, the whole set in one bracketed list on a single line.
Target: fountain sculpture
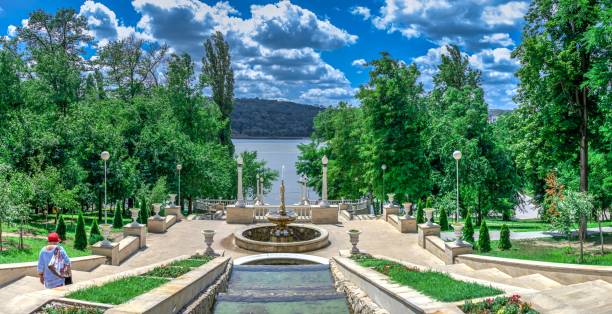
[(281, 233)]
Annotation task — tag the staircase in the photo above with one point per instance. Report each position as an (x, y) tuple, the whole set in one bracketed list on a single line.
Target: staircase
[(281, 289), (548, 296)]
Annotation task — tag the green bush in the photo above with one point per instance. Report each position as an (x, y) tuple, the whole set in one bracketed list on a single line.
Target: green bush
[(117, 219), (94, 233), (143, 215), (80, 236), (468, 229), (504, 238), (484, 240), (420, 216), (443, 220), (61, 228)]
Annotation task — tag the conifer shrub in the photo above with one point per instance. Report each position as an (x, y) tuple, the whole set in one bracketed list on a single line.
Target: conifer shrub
[(504, 238), (420, 216), (80, 236), (484, 240), (94, 233), (60, 229), (443, 220), (117, 219), (468, 229)]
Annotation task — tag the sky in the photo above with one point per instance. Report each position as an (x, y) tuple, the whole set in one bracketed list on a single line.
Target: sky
[(311, 51)]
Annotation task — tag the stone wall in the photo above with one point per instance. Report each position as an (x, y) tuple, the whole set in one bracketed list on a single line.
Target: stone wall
[(14, 271), (128, 246), (358, 300), (203, 304)]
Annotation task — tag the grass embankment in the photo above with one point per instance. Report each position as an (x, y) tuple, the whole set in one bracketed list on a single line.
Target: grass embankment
[(32, 247), (529, 225), (436, 285), (557, 250), (125, 289)]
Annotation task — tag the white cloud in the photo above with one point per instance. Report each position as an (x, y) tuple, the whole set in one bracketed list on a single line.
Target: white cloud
[(504, 14), (11, 31), (103, 24), (361, 11), (338, 93), (359, 63), (462, 22), (502, 39)]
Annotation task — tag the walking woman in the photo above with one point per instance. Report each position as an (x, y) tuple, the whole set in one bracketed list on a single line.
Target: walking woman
[(53, 263)]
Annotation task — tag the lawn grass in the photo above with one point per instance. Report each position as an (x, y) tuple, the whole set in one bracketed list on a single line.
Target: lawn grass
[(167, 271), (528, 225), (118, 291), (529, 250), (436, 285), (189, 263), (32, 249)]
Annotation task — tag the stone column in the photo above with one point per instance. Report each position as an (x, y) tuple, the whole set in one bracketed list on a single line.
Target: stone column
[(323, 202), (240, 196), (257, 190)]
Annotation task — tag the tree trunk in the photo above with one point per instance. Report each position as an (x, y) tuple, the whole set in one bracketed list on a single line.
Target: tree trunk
[(190, 208), (601, 238), (584, 163), (1, 243)]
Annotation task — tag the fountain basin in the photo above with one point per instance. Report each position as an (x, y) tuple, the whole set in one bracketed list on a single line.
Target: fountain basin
[(257, 238)]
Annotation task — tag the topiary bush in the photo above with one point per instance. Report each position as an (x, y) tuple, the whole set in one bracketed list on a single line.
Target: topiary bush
[(94, 233), (468, 229), (420, 216), (143, 215), (117, 219), (60, 229), (443, 220), (504, 238), (80, 236), (484, 240)]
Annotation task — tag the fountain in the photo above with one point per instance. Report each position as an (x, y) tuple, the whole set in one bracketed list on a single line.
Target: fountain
[(281, 235)]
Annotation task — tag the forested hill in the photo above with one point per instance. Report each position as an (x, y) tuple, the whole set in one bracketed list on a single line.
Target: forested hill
[(256, 117)]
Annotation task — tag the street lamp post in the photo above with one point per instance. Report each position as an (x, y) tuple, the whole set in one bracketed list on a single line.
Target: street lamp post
[(457, 156), (105, 227), (383, 167), (178, 168)]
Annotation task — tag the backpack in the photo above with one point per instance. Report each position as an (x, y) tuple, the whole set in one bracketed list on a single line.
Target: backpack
[(58, 266)]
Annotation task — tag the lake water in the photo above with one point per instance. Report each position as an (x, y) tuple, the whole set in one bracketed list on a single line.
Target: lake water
[(278, 152)]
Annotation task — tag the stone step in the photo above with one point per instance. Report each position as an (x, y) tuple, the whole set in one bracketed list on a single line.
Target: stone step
[(293, 295), (588, 297), (364, 217), (489, 274), (533, 281), (457, 268), (21, 286)]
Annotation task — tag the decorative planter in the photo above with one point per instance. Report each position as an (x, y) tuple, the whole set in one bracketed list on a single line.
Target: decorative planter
[(354, 238), (407, 209), (391, 197), (134, 212), (429, 215), (156, 209), (458, 229), (106, 229), (172, 199), (208, 239)]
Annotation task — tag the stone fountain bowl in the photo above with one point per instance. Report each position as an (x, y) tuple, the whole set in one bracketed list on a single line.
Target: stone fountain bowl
[(257, 238)]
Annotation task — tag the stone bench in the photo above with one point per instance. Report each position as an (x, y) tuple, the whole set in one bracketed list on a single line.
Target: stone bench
[(390, 210), (402, 224), (156, 225), (174, 211)]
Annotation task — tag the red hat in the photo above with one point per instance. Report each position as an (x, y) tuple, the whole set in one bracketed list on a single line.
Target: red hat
[(53, 237)]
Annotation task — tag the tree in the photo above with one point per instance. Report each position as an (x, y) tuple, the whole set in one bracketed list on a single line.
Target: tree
[(143, 215), (61, 229), (468, 229), (117, 218), (443, 220), (218, 74), (504, 238), (80, 236), (574, 208), (420, 216), (484, 240), (94, 233)]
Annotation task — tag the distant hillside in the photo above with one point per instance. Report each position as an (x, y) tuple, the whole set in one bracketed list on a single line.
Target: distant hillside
[(272, 118)]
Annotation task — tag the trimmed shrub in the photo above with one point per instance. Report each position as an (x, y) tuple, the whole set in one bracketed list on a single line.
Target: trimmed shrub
[(117, 219), (504, 238), (484, 240), (468, 229), (443, 220), (420, 216), (144, 212), (80, 236), (94, 233), (60, 229)]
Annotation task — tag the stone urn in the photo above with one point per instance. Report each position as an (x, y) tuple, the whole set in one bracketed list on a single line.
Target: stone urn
[(354, 238), (156, 209), (391, 197), (134, 212), (106, 229), (172, 199), (458, 229), (208, 239), (429, 215), (407, 209)]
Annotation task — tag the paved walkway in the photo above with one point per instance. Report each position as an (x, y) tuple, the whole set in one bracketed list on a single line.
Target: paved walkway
[(494, 234)]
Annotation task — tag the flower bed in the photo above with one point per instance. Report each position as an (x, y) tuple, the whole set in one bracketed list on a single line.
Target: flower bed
[(56, 307), (436, 285), (499, 305)]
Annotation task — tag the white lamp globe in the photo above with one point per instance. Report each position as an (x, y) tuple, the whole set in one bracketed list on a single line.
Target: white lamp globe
[(457, 155), (105, 155)]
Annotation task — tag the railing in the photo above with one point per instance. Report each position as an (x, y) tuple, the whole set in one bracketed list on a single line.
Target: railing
[(302, 212)]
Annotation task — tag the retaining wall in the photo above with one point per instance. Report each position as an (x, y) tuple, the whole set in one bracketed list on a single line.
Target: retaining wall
[(14, 271)]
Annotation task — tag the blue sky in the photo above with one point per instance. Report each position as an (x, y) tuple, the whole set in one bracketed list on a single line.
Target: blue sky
[(312, 51)]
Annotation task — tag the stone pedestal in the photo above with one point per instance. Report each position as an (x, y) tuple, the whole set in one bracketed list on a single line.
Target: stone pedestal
[(427, 230), (139, 231), (454, 249), (156, 225), (176, 211), (111, 252), (324, 215), (240, 215), (390, 210), (403, 224)]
